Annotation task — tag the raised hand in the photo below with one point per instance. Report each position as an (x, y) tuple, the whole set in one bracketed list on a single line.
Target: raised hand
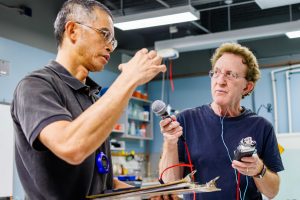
[(143, 66)]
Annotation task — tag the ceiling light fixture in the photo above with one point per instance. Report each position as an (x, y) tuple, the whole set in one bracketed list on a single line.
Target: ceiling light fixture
[(157, 18), (293, 34), (265, 4)]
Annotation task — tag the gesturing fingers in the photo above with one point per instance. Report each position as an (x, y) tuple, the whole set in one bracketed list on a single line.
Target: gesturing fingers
[(143, 51), (152, 54)]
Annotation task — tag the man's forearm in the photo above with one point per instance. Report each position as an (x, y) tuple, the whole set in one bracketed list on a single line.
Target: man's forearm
[(269, 184), (96, 123), (74, 141), (170, 157)]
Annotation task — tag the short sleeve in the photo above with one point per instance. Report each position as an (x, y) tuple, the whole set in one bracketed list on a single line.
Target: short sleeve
[(37, 104), (271, 155)]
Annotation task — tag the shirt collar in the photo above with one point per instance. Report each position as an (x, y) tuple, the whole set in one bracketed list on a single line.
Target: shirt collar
[(90, 85)]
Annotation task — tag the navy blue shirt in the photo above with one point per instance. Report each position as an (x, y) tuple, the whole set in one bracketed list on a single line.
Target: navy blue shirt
[(202, 129), (41, 98)]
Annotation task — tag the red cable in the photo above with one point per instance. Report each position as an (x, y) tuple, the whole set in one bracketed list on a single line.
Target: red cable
[(171, 75), (238, 187), (190, 165), (189, 158), (177, 165)]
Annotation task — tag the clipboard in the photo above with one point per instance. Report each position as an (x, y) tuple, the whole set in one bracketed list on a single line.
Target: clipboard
[(183, 186)]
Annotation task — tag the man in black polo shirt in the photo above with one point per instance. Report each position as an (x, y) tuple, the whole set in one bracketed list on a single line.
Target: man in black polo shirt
[(60, 125)]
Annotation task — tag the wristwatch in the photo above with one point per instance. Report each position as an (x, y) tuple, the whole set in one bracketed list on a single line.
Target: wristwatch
[(261, 173)]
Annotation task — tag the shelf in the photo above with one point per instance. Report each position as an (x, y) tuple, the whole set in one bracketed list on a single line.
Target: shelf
[(126, 136), (136, 119), (139, 99), (123, 135), (117, 131)]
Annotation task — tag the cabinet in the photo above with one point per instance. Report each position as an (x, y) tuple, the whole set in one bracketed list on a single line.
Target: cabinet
[(136, 121)]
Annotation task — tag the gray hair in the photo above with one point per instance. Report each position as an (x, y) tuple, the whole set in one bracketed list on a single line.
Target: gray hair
[(75, 10)]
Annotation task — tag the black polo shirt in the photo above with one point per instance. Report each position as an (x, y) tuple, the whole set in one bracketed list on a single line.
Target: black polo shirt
[(41, 98)]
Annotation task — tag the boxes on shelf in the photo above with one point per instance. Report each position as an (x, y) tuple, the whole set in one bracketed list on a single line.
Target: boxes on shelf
[(117, 145), (140, 95), (119, 127)]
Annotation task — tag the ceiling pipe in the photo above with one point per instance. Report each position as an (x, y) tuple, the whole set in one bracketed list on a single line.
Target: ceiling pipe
[(274, 89), (288, 96), (110, 4), (213, 40), (200, 27), (223, 6), (163, 3)]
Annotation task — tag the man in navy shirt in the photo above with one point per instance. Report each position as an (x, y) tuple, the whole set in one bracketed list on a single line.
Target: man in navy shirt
[(61, 127), (212, 133)]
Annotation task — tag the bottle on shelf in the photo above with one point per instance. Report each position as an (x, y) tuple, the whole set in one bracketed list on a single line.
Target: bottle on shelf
[(132, 130), (145, 115), (130, 110), (135, 111), (142, 130), (136, 121)]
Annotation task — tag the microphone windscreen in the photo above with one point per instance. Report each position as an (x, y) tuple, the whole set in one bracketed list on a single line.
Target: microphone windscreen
[(159, 107)]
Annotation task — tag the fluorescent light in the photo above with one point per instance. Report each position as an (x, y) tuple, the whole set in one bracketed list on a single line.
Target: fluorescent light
[(156, 21), (168, 53), (293, 34), (157, 18), (264, 4)]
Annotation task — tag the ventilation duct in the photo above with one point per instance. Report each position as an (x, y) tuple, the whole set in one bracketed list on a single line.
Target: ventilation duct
[(214, 40)]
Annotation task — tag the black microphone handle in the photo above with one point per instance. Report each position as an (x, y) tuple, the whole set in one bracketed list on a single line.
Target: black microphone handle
[(166, 115)]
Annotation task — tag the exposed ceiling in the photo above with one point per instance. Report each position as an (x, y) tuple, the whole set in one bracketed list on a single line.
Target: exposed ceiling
[(215, 16)]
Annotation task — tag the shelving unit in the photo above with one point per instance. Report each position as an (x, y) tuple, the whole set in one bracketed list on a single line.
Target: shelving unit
[(136, 121)]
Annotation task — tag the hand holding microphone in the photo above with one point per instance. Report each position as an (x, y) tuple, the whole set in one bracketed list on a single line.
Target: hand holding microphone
[(169, 127)]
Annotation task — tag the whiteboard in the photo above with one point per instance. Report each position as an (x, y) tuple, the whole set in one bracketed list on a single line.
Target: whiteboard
[(6, 151)]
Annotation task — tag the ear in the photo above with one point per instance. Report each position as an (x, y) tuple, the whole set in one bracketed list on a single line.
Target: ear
[(71, 31), (249, 87)]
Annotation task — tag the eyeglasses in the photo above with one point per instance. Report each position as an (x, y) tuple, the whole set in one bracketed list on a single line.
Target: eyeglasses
[(229, 75), (108, 37)]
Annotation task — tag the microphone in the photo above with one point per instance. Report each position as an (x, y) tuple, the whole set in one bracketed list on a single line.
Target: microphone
[(159, 108)]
